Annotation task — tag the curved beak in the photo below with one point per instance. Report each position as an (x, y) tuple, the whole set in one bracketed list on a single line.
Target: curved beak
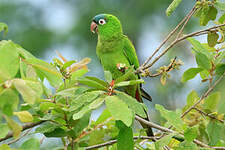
[(94, 27)]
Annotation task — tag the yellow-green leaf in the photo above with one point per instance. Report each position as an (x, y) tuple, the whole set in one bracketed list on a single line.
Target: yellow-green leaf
[(15, 127), (212, 38), (172, 7), (24, 116)]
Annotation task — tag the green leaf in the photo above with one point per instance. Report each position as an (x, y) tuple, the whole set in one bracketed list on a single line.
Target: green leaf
[(132, 104), (119, 110), (4, 130), (131, 82), (16, 128), (5, 147), (172, 117), (220, 5), (92, 84), (46, 127), (24, 116), (204, 74), (212, 38), (202, 60), (84, 99), (30, 90), (80, 124), (207, 13), (78, 73), (68, 64), (9, 65), (186, 145), (190, 74), (199, 47), (31, 73), (220, 69), (4, 28), (163, 142), (46, 70), (190, 133), (97, 80), (30, 144), (58, 132), (108, 76), (125, 137), (215, 131), (9, 100), (221, 19), (220, 58), (103, 117), (68, 92), (172, 7), (212, 101), (192, 98), (95, 104), (129, 72)]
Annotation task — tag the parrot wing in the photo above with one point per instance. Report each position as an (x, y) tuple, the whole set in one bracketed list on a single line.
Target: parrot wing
[(130, 53)]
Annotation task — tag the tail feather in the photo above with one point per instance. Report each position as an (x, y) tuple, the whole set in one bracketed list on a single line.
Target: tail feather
[(145, 94), (148, 129)]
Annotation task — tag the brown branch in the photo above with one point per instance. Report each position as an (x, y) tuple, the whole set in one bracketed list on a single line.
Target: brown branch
[(114, 141), (26, 126), (208, 115), (201, 32), (153, 125), (188, 18), (166, 39), (17, 139), (210, 89)]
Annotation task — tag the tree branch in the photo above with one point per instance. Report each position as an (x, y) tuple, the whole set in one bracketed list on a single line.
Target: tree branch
[(114, 141), (166, 39), (153, 125), (201, 32), (203, 96), (208, 115), (26, 126)]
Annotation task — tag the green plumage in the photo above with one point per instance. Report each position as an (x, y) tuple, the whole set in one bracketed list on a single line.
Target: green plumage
[(114, 48)]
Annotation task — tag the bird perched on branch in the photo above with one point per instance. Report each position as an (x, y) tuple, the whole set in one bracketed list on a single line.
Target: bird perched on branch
[(116, 53)]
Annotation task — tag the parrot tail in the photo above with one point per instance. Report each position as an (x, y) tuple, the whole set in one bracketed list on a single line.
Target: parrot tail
[(145, 95), (148, 129)]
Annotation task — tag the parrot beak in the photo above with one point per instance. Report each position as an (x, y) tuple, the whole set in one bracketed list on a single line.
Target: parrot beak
[(94, 27)]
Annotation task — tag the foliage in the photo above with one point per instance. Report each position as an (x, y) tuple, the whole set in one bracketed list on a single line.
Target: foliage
[(63, 109)]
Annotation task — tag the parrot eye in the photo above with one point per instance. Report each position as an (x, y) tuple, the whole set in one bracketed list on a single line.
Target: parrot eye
[(101, 21)]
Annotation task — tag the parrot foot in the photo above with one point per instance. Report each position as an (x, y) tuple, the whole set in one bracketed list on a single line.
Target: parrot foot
[(121, 67), (110, 89)]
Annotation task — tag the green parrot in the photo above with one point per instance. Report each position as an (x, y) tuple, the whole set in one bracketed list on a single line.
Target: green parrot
[(116, 53)]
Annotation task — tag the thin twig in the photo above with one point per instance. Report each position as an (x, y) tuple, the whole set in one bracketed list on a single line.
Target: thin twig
[(208, 115), (203, 96), (188, 18), (114, 141), (169, 68), (26, 126), (153, 125), (166, 39), (201, 32), (17, 139)]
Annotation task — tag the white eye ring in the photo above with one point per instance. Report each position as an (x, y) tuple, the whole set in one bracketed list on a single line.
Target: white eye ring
[(101, 21)]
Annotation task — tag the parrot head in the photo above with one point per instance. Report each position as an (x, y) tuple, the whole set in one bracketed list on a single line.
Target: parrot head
[(106, 25)]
